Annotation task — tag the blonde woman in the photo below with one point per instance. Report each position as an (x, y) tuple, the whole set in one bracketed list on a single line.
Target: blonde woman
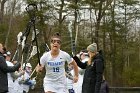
[(93, 70)]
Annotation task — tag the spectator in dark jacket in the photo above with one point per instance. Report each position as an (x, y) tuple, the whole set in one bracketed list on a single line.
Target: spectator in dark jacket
[(4, 69), (93, 70)]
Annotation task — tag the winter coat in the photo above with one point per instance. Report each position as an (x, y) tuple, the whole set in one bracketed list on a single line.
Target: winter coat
[(93, 74), (4, 69)]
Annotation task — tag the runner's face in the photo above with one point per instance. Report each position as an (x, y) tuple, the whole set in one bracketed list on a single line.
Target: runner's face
[(55, 43)]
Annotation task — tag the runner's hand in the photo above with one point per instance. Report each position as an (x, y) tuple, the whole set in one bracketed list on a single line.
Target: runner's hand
[(75, 79)]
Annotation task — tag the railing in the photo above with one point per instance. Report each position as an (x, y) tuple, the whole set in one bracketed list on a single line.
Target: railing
[(124, 89), (112, 90)]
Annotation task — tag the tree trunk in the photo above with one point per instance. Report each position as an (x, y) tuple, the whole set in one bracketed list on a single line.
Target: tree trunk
[(97, 24), (113, 47), (2, 11), (61, 18), (10, 23)]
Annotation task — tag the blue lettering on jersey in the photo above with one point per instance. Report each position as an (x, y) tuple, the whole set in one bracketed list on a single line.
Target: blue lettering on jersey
[(55, 63)]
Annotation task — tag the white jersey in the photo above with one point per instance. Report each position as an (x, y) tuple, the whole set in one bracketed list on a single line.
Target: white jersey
[(85, 59), (18, 87), (55, 79), (26, 87), (10, 79)]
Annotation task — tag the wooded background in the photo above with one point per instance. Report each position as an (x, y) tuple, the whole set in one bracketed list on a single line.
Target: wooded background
[(113, 24)]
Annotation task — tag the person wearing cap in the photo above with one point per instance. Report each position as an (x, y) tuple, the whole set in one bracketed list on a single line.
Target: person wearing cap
[(54, 62), (94, 69), (4, 69), (25, 80), (18, 88)]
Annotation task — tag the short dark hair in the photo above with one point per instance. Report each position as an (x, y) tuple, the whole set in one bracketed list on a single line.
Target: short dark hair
[(84, 50), (5, 50), (56, 35)]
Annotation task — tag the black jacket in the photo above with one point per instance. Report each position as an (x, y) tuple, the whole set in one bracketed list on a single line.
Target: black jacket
[(93, 74), (4, 69)]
